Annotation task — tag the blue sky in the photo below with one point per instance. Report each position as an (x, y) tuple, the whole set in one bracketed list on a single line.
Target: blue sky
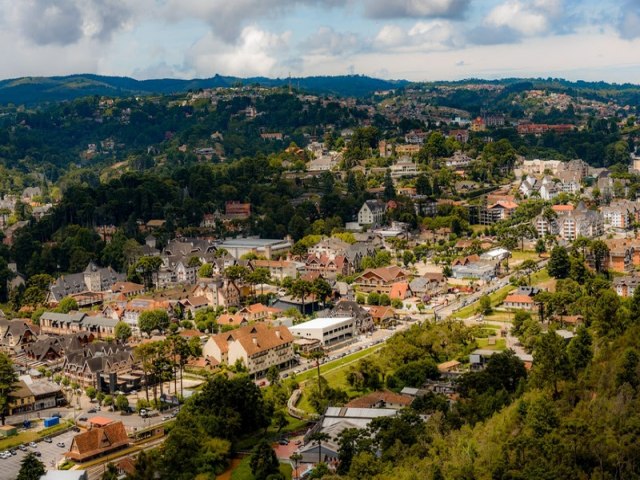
[(412, 39)]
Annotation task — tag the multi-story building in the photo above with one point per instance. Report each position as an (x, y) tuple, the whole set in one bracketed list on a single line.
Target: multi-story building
[(64, 323), (259, 347), (93, 279), (372, 213), (626, 286)]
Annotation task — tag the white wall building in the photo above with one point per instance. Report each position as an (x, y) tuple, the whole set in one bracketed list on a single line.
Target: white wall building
[(326, 330)]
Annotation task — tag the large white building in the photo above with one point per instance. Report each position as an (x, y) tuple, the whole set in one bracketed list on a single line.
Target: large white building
[(326, 330), (371, 213)]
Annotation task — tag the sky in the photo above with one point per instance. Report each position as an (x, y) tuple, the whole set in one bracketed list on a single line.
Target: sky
[(418, 40)]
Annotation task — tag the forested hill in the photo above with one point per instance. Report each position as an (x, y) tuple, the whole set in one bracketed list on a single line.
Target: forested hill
[(33, 90)]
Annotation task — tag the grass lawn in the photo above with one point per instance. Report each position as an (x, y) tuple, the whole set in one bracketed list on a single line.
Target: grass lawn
[(519, 257), (243, 470), (501, 344), (497, 298), (31, 436), (301, 378), (540, 276)]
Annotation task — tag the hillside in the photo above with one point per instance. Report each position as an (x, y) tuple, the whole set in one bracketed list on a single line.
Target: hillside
[(34, 90)]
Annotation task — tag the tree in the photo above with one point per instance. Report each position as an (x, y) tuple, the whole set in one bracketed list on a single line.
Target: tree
[(606, 314), (317, 355), (559, 263), (151, 320), (122, 331), (122, 403), (8, 383), (301, 288), (148, 267), (579, 350), (484, 307), (628, 369), (206, 271), (295, 458), (408, 257), (264, 463), (273, 375), (111, 473), (67, 304), (389, 188), (194, 262), (319, 437), (550, 361), (599, 251), (31, 468), (90, 392), (529, 266), (348, 442)]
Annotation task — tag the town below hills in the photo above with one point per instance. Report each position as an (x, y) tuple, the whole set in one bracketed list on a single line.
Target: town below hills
[(430, 280)]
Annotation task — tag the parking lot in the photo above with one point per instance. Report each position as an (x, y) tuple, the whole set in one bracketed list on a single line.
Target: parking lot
[(50, 453)]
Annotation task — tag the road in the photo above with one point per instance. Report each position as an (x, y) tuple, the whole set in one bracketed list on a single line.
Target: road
[(51, 454)]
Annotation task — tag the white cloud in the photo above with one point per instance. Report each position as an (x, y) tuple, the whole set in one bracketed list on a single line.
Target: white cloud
[(256, 52), (423, 36), (526, 19)]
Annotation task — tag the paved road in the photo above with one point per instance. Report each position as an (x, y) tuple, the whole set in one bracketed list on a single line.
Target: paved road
[(50, 455)]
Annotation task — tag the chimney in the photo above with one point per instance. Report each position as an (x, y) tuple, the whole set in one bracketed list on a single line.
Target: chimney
[(278, 334), (255, 340)]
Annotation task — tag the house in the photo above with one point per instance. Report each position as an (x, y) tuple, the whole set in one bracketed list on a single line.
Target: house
[(34, 395), (16, 334), (429, 285), (99, 364), (624, 254), (334, 421), (400, 291), (348, 308), (523, 302), (380, 279), (231, 320), (404, 168), (259, 347), (382, 315), (218, 292), (237, 210), (621, 214), (278, 269), (92, 279), (258, 312), (74, 322), (97, 442), (371, 213), (501, 210), (626, 286), (128, 289)]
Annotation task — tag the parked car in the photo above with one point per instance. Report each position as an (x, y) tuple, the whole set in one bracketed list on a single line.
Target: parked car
[(37, 453), (83, 419), (60, 444), (57, 415), (33, 445), (22, 447), (284, 441), (13, 451), (92, 410), (47, 439)]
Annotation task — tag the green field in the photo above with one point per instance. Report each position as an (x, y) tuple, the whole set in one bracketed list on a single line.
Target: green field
[(497, 298), (243, 470)]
